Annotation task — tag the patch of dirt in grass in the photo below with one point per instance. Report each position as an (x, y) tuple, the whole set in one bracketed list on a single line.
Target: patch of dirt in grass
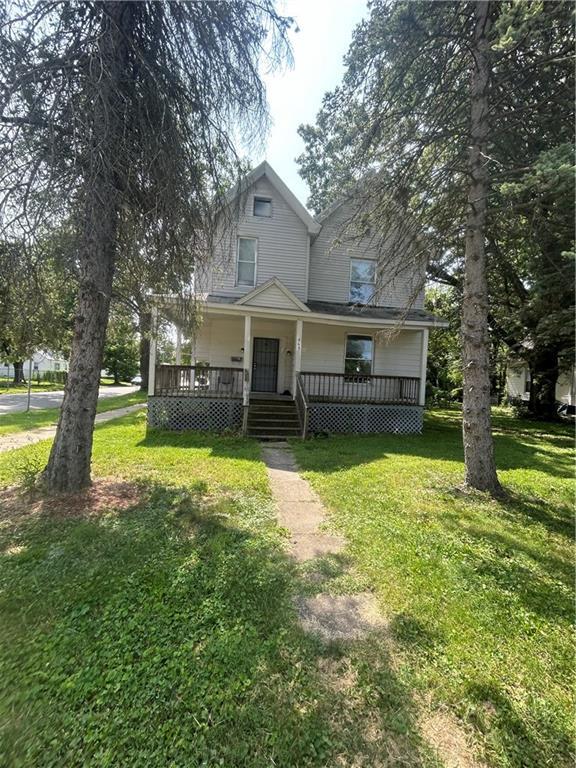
[(449, 740), (103, 495), (340, 617), (339, 675)]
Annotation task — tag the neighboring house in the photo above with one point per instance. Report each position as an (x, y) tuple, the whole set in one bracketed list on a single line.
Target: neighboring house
[(518, 384), (42, 362), (300, 332)]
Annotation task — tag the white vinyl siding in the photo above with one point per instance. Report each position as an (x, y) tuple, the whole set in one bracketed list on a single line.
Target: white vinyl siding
[(283, 243), (330, 257), (272, 297), (395, 354)]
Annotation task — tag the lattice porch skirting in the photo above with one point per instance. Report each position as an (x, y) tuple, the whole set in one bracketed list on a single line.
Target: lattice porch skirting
[(202, 413), (351, 418)]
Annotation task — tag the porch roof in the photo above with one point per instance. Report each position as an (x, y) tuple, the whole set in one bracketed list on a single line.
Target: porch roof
[(354, 312)]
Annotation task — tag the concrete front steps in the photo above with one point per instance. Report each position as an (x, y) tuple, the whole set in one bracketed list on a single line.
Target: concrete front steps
[(273, 419)]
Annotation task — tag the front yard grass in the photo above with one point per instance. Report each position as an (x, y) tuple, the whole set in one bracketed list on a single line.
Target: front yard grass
[(155, 626), (479, 593), (44, 417), (160, 631)]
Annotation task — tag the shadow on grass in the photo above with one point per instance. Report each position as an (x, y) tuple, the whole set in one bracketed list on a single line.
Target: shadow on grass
[(164, 633), (440, 442)]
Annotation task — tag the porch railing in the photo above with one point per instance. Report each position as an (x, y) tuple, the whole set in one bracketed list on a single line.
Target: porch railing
[(301, 402), (360, 388), (198, 381)]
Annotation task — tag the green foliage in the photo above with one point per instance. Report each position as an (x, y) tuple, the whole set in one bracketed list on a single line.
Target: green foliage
[(36, 297), (444, 374), (121, 355)]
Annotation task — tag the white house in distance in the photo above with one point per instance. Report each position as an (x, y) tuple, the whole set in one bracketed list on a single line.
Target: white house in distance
[(301, 333), (518, 383), (40, 363)]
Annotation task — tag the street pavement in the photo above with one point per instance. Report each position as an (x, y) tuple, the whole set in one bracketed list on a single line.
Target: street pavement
[(15, 403)]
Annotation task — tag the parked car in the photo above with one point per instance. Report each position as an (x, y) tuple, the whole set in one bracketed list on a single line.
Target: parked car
[(136, 380), (567, 412)]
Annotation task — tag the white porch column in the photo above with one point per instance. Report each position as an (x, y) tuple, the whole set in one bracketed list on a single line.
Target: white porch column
[(423, 362), (247, 359), (178, 346), (297, 356), (152, 358)]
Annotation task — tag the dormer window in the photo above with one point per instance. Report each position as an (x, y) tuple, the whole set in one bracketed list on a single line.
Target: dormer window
[(362, 280), (262, 207), (246, 263)]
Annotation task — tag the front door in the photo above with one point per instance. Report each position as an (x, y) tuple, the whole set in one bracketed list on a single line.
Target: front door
[(265, 365)]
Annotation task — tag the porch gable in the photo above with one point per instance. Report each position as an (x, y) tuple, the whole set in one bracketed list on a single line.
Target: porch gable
[(273, 294)]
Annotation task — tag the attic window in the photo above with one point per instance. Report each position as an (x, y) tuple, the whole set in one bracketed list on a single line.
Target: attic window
[(262, 206)]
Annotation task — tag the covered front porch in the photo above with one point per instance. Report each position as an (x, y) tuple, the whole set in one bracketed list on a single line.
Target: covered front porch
[(236, 360)]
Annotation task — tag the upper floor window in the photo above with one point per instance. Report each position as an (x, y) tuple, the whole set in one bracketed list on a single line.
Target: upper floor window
[(262, 206), (359, 355), (246, 267), (362, 280)]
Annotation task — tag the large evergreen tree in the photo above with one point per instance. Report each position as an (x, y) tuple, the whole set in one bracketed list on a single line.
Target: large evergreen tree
[(119, 115)]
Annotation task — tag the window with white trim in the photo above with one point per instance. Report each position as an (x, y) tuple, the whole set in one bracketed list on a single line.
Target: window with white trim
[(359, 355), (362, 280), (262, 207), (246, 263)]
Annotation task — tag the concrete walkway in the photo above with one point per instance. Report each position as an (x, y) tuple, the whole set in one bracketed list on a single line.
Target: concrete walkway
[(20, 439), (300, 511), (298, 507)]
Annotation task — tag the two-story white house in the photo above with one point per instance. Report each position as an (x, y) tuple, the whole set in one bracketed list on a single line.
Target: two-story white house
[(303, 330)]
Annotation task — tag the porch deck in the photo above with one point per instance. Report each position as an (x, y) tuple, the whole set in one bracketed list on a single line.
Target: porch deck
[(214, 398)]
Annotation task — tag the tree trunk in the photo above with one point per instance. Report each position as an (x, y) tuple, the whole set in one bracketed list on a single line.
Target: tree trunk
[(19, 377), (68, 466), (543, 378), (145, 328), (476, 421)]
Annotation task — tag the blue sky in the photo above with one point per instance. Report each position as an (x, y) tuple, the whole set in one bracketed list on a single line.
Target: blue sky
[(295, 95)]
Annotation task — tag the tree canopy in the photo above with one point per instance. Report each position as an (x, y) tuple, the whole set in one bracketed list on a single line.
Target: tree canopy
[(397, 128)]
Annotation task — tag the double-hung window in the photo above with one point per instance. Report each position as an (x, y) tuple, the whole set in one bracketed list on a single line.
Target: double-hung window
[(362, 280), (246, 265), (359, 355)]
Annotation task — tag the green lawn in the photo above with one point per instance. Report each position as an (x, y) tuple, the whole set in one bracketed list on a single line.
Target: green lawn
[(8, 388), (479, 593), (20, 422), (159, 630)]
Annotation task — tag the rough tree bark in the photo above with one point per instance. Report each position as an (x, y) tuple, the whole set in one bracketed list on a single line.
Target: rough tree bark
[(68, 466), (144, 327), (19, 377), (476, 422)]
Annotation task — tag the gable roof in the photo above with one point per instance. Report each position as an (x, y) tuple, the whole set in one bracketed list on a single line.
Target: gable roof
[(265, 169), (267, 295)]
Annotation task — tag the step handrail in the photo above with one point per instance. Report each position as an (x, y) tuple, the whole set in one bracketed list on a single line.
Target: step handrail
[(301, 401)]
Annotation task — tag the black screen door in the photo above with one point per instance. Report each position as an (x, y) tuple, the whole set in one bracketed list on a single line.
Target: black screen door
[(265, 365)]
